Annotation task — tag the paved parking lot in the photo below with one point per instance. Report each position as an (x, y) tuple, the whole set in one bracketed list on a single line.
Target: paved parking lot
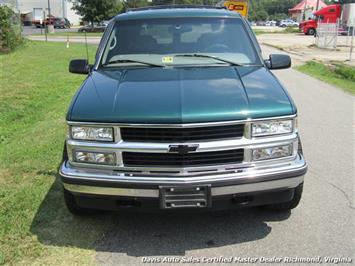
[(302, 47), (29, 30)]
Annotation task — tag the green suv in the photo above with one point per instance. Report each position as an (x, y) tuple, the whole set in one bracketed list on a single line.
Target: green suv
[(180, 111)]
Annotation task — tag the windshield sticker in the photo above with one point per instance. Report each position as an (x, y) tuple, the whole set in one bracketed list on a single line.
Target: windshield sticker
[(167, 59)]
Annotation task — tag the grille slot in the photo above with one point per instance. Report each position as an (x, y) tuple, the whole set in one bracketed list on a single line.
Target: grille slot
[(182, 134), (182, 160)]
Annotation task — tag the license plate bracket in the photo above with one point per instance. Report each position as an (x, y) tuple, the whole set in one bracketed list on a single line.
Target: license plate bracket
[(173, 197)]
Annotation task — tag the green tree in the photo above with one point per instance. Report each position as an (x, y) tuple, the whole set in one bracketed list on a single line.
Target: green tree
[(135, 4), (274, 8), (97, 10), (10, 30)]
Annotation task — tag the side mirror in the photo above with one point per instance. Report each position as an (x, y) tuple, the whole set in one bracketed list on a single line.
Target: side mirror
[(79, 66), (278, 61)]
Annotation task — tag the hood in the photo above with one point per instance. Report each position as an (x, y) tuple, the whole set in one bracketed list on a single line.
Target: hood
[(179, 95), (307, 21)]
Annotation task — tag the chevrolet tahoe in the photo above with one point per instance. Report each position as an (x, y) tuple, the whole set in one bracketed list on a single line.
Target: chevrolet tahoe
[(181, 111)]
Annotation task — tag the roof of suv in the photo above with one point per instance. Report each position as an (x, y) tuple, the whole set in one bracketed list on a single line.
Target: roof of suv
[(176, 12)]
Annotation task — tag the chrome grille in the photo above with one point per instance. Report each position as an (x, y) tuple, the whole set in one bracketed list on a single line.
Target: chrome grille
[(182, 134), (137, 159)]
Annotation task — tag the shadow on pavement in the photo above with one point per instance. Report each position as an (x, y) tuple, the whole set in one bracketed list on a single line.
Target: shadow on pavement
[(138, 234)]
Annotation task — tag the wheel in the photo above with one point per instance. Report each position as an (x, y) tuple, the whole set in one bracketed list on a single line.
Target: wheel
[(311, 31), (69, 198), (285, 206), (300, 149), (289, 205), (73, 207)]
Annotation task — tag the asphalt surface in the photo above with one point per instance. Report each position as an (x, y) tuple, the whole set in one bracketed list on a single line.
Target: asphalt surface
[(321, 226), (72, 39), (28, 30)]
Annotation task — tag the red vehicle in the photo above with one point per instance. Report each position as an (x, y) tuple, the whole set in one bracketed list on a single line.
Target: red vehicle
[(48, 21), (328, 14)]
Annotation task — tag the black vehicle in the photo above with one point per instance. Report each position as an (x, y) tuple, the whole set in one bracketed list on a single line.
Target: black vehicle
[(98, 27), (61, 23)]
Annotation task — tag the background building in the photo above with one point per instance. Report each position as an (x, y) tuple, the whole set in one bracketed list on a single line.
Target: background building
[(31, 10), (305, 9)]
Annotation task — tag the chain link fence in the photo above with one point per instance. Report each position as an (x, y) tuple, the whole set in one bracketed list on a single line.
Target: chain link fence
[(327, 36)]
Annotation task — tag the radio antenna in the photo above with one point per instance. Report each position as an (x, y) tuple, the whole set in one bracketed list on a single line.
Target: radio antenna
[(86, 45)]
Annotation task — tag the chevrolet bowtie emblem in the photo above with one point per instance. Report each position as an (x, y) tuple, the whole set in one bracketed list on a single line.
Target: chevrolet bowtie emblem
[(183, 149)]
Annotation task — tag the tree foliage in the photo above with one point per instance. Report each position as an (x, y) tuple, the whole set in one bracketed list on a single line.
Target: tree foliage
[(274, 9), (10, 30), (97, 10)]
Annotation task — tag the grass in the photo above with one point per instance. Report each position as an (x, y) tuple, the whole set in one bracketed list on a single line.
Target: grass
[(285, 30), (35, 91), (340, 75)]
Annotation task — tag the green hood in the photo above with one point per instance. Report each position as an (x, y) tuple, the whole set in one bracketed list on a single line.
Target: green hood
[(179, 95)]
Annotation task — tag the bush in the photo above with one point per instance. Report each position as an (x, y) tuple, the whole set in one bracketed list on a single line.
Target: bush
[(10, 30), (346, 72), (291, 30)]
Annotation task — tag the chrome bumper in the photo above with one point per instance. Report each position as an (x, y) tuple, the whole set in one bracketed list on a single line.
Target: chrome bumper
[(251, 179)]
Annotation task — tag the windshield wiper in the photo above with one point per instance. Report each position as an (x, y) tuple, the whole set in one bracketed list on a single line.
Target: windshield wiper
[(131, 61), (209, 56)]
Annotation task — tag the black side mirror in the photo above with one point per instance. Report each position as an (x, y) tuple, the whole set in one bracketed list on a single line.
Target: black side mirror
[(278, 61), (79, 66)]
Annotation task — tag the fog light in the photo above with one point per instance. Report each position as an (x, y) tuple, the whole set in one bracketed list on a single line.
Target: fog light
[(94, 157), (272, 152)]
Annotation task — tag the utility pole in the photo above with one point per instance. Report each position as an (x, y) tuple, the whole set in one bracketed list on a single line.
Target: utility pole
[(17, 6), (50, 27), (317, 6), (304, 10), (49, 9)]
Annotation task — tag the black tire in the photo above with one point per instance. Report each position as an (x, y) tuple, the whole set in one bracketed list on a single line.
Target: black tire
[(70, 199), (65, 152), (286, 206), (73, 207), (311, 31), (300, 149), (289, 205)]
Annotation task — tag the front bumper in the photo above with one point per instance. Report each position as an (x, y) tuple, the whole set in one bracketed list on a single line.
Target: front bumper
[(102, 182)]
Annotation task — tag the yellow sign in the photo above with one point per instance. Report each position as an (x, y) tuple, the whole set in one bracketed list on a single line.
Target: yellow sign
[(239, 6)]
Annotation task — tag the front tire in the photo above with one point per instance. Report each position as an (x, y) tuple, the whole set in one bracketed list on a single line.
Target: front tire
[(289, 205), (73, 207), (311, 31)]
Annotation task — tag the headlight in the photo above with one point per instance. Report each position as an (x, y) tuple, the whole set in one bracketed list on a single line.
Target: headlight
[(92, 133), (94, 157), (272, 127), (272, 152)]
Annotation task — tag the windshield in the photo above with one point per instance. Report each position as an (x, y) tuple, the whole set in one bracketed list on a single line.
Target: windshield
[(180, 41)]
